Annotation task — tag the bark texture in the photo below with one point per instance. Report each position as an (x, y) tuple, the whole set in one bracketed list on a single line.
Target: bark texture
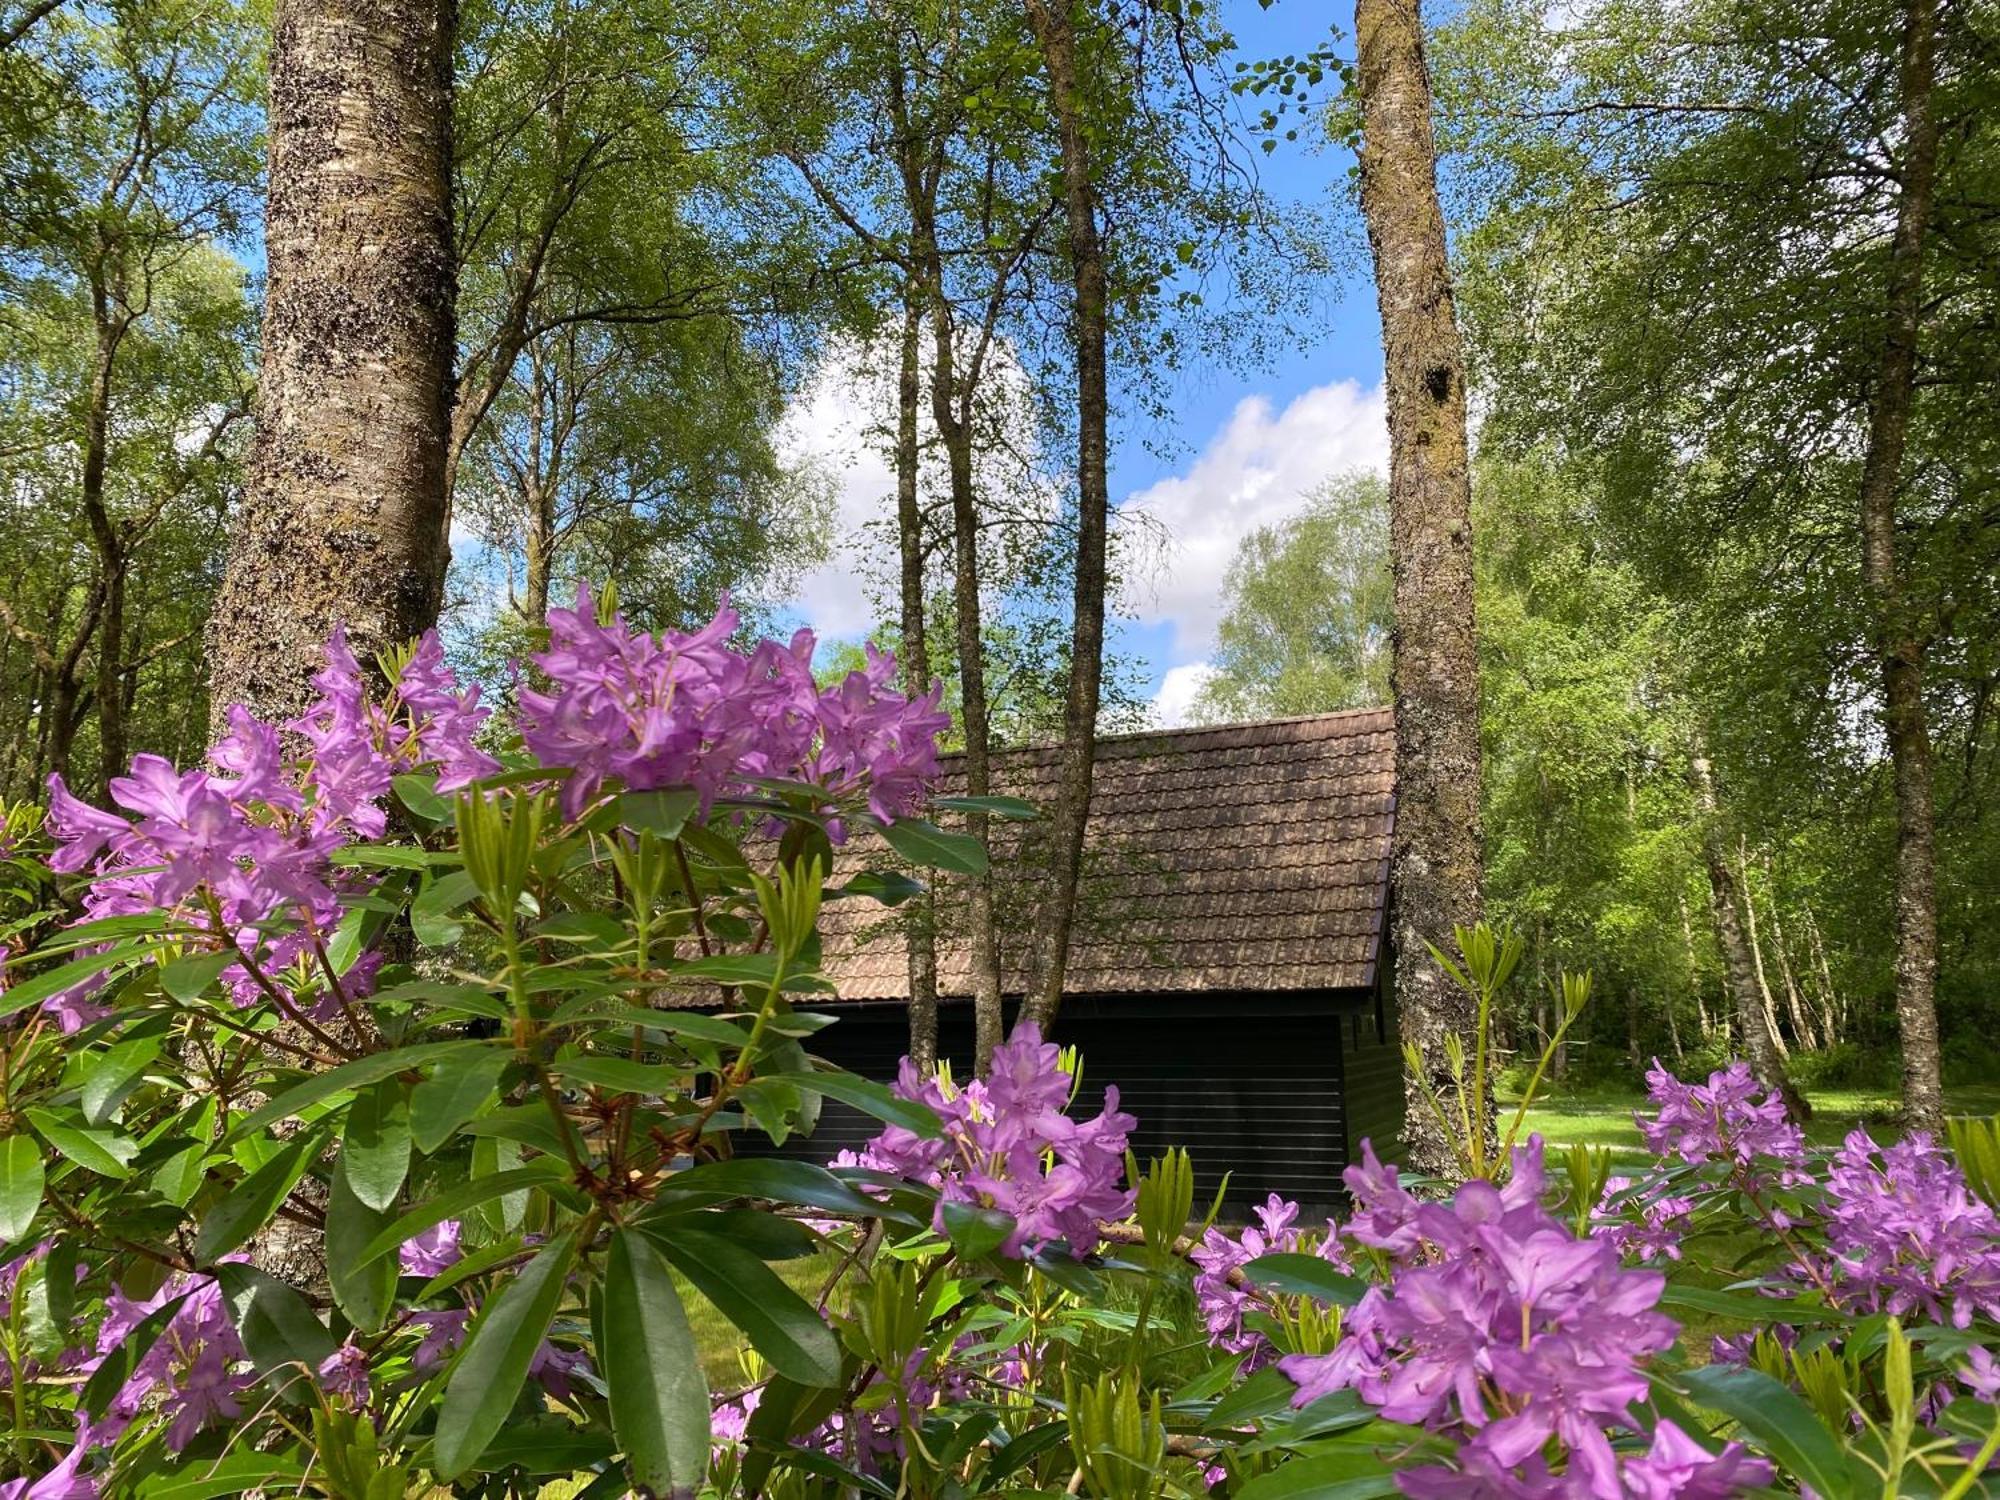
[(1900, 644), (343, 513), (1055, 34), (1435, 873), (1726, 896), (920, 933)]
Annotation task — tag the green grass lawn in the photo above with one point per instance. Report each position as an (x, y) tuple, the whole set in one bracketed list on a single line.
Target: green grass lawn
[(1606, 1119)]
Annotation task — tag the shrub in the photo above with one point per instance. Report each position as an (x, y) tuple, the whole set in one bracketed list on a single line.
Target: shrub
[(369, 1119)]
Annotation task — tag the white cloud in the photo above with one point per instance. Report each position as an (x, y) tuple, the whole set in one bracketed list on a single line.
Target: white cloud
[(1253, 472), (1178, 691), (835, 424), (841, 424)]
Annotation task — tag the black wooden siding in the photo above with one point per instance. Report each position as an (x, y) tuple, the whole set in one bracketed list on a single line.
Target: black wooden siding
[(1372, 1054), (1253, 1086)]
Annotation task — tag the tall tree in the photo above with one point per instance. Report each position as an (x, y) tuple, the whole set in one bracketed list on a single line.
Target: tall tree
[(1899, 642), (1055, 28), (342, 521), (1759, 296), (125, 348), (1435, 877)]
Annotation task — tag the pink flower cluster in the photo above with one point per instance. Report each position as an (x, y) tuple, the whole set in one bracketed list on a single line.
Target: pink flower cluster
[(689, 710), (1643, 1220), (1503, 1330), (242, 854), (1009, 1144), (1731, 1118), (1219, 1295), (1905, 1234), (196, 1372)]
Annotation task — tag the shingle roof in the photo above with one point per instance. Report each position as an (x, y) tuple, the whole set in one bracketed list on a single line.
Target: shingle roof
[(1241, 857)]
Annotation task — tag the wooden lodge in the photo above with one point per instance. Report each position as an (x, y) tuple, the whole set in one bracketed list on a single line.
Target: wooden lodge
[(1230, 971)]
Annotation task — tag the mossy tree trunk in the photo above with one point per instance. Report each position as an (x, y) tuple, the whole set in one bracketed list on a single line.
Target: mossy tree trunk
[(1435, 870), (343, 513)]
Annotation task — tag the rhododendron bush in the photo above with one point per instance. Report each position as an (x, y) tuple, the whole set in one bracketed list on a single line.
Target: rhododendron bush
[(388, 1106)]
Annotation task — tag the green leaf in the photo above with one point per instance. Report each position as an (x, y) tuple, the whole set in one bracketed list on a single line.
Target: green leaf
[(284, 1340), (779, 1323), (766, 1235), (457, 1089), (1782, 1424), (489, 1374), (869, 1097), (64, 976), (430, 913), (1305, 1276), (101, 1151), (652, 1371), (1027, 1447), (362, 1289), (112, 1075), (974, 1231), (889, 887), (177, 1178), (420, 795), (664, 812), (454, 1202), (924, 843), (233, 1474), (349, 1075), (1745, 1308), (21, 1178), (782, 1181), (1329, 1476), (375, 1149), (623, 1076), (250, 1205), (188, 977), (1260, 1395), (1016, 809)]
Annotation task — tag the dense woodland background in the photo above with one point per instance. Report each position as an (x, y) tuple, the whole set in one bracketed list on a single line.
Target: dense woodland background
[(1671, 224)]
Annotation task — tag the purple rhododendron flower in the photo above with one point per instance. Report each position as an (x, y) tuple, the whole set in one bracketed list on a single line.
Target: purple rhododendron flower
[(1906, 1234), (1010, 1145), (444, 1331), (432, 1252), (688, 710), (1498, 1326), (1219, 1297), (344, 1374), (66, 1481), (1732, 1117)]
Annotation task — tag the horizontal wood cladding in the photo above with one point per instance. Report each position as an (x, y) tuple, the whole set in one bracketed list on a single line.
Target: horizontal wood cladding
[(1251, 1086)]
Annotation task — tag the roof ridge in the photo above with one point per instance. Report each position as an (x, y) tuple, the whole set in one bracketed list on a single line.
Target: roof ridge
[(1182, 732)]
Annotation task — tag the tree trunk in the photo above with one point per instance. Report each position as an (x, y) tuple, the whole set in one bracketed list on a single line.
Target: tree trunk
[(920, 930), (108, 539), (1436, 865), (1756, 946), (1694, 973), (343, 513), (1899, 643), (1832, 1017), (982, 936), (1760, 1041), (1795, 1000), (1055, 33), (539, 503)]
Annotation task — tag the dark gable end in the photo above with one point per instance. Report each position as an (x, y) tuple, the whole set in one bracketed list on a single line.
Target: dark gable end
[(1228, 970)]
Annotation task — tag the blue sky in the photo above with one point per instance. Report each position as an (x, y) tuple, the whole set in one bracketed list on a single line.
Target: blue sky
[(1241, 446)]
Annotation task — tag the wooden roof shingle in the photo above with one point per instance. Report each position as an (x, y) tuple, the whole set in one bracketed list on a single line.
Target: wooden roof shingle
[(1242, 857)]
